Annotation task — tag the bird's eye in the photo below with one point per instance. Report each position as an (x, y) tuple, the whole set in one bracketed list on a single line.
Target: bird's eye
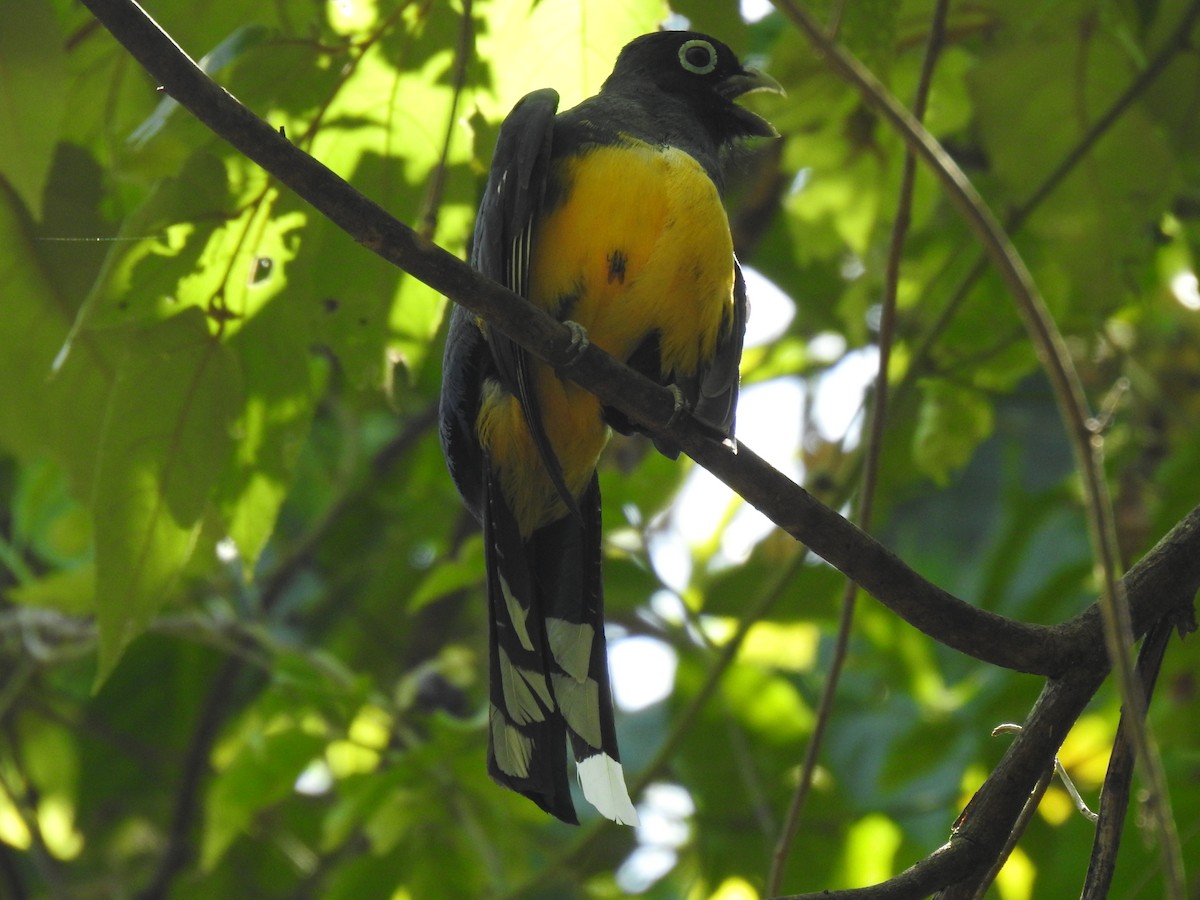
[(698, 57)]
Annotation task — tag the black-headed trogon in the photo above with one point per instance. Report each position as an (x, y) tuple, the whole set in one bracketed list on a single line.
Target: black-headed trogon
[(608, 215)]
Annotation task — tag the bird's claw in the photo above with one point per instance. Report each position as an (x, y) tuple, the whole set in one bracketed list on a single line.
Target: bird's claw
[(680, 405), (579, 342)]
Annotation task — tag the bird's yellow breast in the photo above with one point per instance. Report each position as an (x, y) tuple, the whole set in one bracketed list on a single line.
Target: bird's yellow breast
[(637, 243)]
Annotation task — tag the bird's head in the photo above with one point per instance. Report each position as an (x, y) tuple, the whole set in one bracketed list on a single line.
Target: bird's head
[(700, 72)]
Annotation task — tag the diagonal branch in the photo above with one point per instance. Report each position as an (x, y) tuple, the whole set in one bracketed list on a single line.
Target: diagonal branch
[(1037, 649), (1086, 442), (1164, 581), (872, 455), (1114, 797)]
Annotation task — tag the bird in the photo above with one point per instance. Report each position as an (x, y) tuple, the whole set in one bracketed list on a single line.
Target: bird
[(609, 217)]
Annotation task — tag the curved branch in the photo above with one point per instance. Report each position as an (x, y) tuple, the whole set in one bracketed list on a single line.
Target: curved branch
[(872, 455), (1162, 583), (1036, 649), (1086, 443), (1114, 797)]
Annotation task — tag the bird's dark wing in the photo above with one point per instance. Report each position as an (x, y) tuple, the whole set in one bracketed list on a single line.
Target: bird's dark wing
[(715, 401), (502, 247), (712, 393), (463, 364)]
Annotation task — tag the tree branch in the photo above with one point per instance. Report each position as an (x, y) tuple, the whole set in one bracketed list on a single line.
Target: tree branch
[(1036, 649), (1072, 653), (179, 845), (1114, 797), (872, 454)]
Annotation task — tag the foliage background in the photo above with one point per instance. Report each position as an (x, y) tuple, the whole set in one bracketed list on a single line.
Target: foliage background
[(241, 636)]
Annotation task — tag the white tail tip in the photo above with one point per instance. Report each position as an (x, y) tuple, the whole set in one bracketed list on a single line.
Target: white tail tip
[(603, 783)]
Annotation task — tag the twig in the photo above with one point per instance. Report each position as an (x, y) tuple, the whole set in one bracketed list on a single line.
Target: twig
[(1063, 775), (992, 638), (1114, 798), (178, 851), (432, 202), (874, 449), (1086, 445)]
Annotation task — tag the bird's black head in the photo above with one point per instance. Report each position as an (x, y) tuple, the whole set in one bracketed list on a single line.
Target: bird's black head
[(698, 71)]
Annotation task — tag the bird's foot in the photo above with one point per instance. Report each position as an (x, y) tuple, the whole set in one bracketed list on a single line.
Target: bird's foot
[(579, 342), (680, 405)]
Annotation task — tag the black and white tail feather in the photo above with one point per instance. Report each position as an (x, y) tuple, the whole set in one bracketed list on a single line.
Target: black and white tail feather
[(549, 664)]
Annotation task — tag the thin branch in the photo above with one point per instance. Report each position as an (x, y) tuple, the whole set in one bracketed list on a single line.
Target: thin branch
[(432, 203), (1114, 798), (1018, 829), (1086, 443), (978, 633), (1162, 581), (874, 450), (179, 845)]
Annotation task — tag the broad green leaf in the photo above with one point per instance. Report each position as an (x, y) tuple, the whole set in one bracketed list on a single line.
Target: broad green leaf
[(33, 82), (359, 798), (47, 410), (272, 341), (766, 704), (868, 29), (30, 329), (175, 394), (562, 44), (69, 591), (1099, 217), (280, 395), (262, 772), (870, 852), (464, 571), (159, 261), (953, 422)]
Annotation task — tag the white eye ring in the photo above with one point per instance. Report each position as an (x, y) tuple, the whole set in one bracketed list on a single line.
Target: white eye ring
[(708, 48)]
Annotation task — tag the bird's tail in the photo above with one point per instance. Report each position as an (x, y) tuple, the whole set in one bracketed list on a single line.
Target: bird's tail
[(549, 663)]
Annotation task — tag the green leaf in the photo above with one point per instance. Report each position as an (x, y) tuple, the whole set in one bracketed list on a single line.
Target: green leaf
[(1100, 216), (47, 520), (464, 571), (47, 411), (69, 591), (33, 81), (559, 43), (166, 440), (262, 772), (953, 421)]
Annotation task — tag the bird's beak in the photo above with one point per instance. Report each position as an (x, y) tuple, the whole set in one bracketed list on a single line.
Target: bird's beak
[(748, 81)]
